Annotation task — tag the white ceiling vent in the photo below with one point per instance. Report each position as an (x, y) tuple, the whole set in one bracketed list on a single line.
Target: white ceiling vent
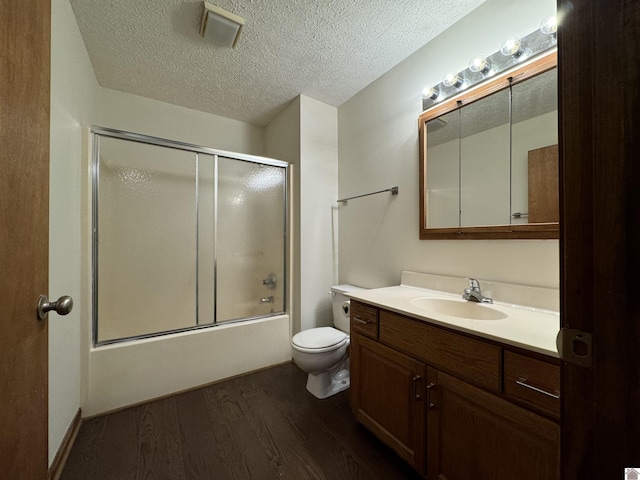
[(220, 27)]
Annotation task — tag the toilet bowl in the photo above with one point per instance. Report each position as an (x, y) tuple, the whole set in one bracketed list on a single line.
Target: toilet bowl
[(323, 352)]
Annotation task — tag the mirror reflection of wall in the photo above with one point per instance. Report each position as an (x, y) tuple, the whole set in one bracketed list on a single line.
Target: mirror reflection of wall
[(484, 161), (535, 126), (493, 161), (443, 171)]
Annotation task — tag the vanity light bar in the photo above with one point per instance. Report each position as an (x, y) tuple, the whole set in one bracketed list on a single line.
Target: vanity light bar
[(512, 52)]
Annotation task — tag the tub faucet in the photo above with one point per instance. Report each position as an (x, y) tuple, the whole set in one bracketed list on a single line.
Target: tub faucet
[(270, 282), (474, 294)]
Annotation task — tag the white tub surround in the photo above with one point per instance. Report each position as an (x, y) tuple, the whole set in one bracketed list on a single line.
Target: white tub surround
[(130, 373), (532, 323)]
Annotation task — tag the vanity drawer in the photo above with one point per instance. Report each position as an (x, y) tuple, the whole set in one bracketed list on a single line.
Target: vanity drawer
[(364, 319), (532, 382), (469, 359)]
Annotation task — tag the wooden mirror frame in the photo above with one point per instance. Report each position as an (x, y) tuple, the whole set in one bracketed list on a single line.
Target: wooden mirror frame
[(500, 82)]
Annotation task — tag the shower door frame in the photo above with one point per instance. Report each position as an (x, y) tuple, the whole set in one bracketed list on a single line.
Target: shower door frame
[(96, 133)]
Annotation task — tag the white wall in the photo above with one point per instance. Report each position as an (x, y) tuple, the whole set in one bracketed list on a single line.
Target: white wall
[(282, 141), (124, 111), (318, 195), (378, 148), (74, 92), (306, 134)]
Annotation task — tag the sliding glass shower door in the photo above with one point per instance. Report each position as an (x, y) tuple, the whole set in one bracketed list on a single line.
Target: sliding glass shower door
[(184, 236), (250, 244)]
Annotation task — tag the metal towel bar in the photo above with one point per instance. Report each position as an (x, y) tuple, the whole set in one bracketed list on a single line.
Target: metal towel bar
[(393, 190)]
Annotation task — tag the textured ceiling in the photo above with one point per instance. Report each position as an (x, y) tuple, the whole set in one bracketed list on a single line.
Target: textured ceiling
[(325, 49)]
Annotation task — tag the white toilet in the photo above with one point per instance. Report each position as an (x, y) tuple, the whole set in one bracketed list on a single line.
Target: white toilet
[(322, 351)]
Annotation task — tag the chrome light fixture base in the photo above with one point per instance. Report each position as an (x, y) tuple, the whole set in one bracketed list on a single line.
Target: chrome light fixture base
[(532, 45)]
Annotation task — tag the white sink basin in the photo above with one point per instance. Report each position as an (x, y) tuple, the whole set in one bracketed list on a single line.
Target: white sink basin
[(459, 308)]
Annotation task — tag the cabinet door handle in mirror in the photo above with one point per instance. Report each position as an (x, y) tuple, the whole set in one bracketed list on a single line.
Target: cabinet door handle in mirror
[(523, 383)]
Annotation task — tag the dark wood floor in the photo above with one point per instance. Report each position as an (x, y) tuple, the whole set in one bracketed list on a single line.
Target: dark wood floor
[(260, 426)]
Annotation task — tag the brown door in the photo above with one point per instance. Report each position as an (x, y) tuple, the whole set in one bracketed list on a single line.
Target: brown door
[(599, 75), (24, 227), (543, 184)]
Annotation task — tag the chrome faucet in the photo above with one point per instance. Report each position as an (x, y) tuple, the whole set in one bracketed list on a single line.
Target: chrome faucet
[(474, 294)]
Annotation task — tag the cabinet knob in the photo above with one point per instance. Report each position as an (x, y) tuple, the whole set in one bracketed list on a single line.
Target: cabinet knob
[(432, 406), (418, 396)]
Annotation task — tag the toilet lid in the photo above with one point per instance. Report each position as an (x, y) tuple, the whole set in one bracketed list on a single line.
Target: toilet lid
[(319, 338)]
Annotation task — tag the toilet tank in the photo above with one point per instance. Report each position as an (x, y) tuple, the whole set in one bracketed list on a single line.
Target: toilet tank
[(341, 306)]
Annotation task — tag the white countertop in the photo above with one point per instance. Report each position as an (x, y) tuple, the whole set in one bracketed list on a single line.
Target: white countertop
[(525, 327)]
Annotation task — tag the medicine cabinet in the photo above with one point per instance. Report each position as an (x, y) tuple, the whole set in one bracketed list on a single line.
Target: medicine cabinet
[(489, 159)]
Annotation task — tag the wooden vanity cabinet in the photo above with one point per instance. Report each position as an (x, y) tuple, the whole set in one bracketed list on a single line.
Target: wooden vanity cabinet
[(532, 382), (364, 319), (388, 397), (453, 405), (476, 434)]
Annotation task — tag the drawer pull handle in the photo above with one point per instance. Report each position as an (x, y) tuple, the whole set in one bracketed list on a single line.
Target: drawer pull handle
[(523, 383), (416, 378), (430, 386), (359, 320)]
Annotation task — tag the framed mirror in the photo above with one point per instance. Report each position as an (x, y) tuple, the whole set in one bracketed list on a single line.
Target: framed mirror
[(489, 159)]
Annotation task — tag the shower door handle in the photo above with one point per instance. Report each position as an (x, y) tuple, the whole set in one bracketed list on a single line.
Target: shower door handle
[(62, 306)]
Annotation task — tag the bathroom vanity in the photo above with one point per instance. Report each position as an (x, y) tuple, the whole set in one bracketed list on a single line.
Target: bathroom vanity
[(457, 397)]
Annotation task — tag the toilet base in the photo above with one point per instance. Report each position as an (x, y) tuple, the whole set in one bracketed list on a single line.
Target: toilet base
[(325, 384)]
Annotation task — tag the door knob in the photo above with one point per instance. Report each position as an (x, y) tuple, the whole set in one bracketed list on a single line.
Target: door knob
[(62, 306)]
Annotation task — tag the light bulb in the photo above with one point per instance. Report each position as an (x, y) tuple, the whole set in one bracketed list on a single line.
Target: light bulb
[(549, 26), (430, 92), (479, 64), (513, 47), (452, 79)]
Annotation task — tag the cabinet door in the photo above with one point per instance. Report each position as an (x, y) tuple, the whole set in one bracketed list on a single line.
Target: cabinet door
[(475, 434), (388, 397)]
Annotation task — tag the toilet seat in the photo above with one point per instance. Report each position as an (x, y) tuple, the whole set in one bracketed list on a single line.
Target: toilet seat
[(318, 340)]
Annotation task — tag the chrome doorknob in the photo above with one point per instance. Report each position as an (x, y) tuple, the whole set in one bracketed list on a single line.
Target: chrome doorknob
[(62, 306)]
